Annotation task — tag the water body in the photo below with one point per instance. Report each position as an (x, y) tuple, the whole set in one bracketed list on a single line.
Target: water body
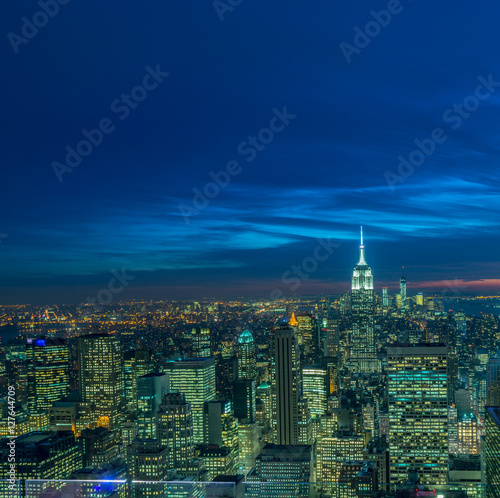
[(473, 308)]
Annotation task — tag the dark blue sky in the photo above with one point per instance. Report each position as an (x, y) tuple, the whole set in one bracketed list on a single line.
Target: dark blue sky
[(318, 177)]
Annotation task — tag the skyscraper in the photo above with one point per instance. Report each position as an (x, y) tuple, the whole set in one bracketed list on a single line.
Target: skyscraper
[(101, 380), (48, 372), (385, 297), (363, 354), (175, 429), (135, 364), (150, 391), (314, 385), (402, 289), (418, 412), (202, 342), (492, 451), (493, 382), (286, 384), (195, 377), (247, 358)]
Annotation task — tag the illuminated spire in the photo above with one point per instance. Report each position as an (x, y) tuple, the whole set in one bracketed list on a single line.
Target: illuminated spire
[(293, 321), (362, 261)]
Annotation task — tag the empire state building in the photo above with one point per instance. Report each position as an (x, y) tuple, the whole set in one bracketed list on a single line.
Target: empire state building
[(363, 357)]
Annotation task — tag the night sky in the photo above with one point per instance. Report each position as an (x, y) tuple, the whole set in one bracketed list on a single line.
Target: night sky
[(342, 115)]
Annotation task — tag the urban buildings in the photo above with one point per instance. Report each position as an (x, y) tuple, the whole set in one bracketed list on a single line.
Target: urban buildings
[(363, 359), (48, 373), (287, 385), (195, 378), (418, 412), (101, 379)]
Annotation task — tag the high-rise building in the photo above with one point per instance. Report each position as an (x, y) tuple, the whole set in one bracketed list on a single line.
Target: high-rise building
[(363, 353), (493, 382), (195, 377), (306, 334), (136, 363), (331, 337), (314, 388), (419, 299), (385, 297), (286, 385), (147, 460), (175, 429), (489, 333), (492, 451), (247, 356), (402, 290), (333, 450), (101, 380), (244, 400), (99, 446), (150, 391), (468, 435), (248, 446), (48, 373), (202, 342), (281, 470), (418, 412), (357, 478), (42, 455)]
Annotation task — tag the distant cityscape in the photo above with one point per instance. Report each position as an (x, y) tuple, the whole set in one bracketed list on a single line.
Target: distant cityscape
[(362, 394)]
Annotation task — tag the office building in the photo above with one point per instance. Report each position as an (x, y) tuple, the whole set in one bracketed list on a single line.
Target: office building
[(99, 447), (101, 379), (195, 378), (136, 363), (281, 470), (150, 391), (244, 400), (314, 388), (48, 373), (402, 290), (418, 412), (493, 382), (175, 430), (492, 452), (202, 342), (42, 455), (247, 356), (286, 385)]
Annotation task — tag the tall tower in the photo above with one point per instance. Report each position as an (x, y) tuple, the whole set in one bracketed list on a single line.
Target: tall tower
[(150, 391), (202, 341), (175, 429), (48, 373), (247, 358), (402, 289), (195, 378), (101, 379), (286, 385), (363, 353), (385, 297), (418, 412)]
